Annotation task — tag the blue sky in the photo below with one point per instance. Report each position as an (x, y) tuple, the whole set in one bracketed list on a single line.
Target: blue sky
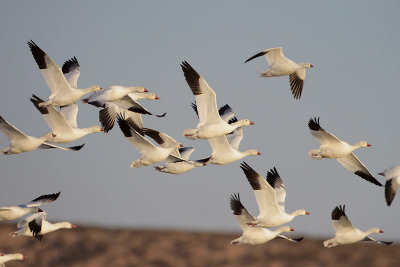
[(353, 89)]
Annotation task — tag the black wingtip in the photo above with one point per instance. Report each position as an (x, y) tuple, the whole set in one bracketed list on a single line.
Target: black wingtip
[(69, 65), (389, 192), (236, 205), (256, 55), (298, 239), (76, 148), (313, 124), (368, 177), (251, 175), (162, 115), (38, 54), (338, 212)]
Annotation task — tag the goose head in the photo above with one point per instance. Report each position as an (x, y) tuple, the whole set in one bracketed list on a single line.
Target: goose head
[(137, 89), (253, 152), (95, 88), (244, 122), (374, 230), (363, 144), (285, 229), (96, 129), (307, 65), (301, 212)]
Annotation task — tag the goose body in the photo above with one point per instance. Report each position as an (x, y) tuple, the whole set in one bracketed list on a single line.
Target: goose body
[(36, 225), (20, 142), (210, 123), (178, 161), (346, 233), (270, 195), (10, 257), (279, 65), (254, 235), (334, 148), (14, 212), (62, 92), (392, 183), (63, 122), (149, 153)]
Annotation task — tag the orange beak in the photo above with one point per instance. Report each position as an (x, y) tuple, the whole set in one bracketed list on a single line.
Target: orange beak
[(252, 123), (307, 213), (156, 97), (368, 144), (291, 229)]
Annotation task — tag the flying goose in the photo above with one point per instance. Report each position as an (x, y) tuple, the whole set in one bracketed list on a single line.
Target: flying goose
[(254, 235), (210, 123), (334, 148), (279, 65), (270, 195), (120, 99), (20, 142), (36, 225), (14, 212), (63, 93), (346, 233)]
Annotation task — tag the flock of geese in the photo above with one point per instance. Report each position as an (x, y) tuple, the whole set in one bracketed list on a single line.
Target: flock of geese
[(219, 126)]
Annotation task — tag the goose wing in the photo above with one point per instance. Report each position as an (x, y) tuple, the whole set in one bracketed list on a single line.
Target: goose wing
[(43, 199), (53, 117), (276, 183), (11, 131), (296, 80), (354, 165), (71, 71), (134, 134), (241, 214), (340, 221), (265, 194), (320, 134), (205, 96), (50, 70)]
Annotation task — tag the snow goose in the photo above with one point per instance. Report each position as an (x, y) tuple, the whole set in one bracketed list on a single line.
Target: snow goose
[(10, 257), (14, 212), (62, 92), (36, 225), (270, 195), (178, 161), (334, 148), (346, 233), (149, 153), (279, 65), (254, 235), (63, 122), (392, 183), (111, 106), (111, 94), (210, 123), (20, 142)]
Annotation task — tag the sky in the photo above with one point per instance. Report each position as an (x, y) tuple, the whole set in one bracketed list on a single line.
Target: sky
[(353, 88)]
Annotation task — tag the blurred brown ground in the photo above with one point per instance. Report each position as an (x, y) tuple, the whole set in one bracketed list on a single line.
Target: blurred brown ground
[(94, 246)]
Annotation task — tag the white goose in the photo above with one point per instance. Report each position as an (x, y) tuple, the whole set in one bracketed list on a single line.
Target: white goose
[(282, 66), (20, 142), (149, 153), (178, 161), (63, 122), (10, 257), (36, 225), (62, 92), (270, 195), (334, 148), (346, 233), (210, 123), (117, 99), (14, 212), (254, 235), (392, 183), (225, 148)]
